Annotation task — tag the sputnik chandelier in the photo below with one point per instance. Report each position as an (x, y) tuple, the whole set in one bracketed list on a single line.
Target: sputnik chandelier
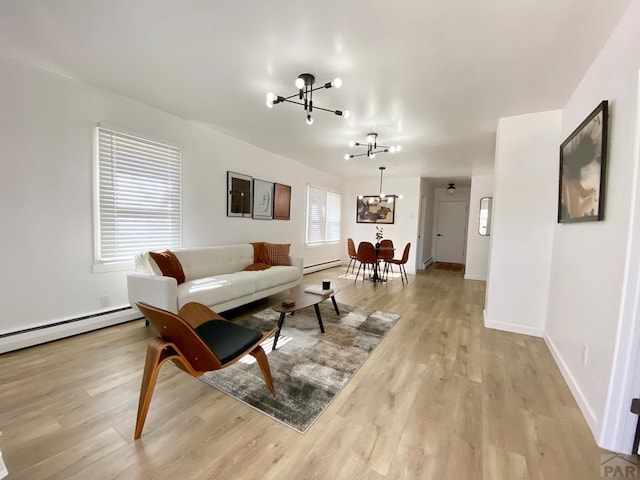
[(372, 147), (304, 84)]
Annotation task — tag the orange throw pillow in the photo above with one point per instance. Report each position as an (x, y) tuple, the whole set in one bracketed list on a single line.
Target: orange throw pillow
[(169, 265), (278, 253), (260, 258), (260, 254)]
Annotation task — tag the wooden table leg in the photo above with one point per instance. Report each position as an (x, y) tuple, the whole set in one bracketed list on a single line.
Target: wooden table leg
[(335, 305), (280, 322), (319, 317)]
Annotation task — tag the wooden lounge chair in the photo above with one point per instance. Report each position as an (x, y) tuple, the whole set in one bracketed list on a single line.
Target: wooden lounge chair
[(197, 340)]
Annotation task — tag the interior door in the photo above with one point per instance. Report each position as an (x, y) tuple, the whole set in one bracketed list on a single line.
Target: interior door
[(450, 235)]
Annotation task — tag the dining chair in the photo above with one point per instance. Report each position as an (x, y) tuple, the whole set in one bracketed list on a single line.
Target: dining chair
[(196, 340), (366, 255), (351, 250), (385, 255), (401, 263)]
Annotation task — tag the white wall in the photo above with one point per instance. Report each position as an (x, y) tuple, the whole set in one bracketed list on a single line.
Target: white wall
[(524, 211), (405, 228), (477, 258), (588, 269), (46, 128)]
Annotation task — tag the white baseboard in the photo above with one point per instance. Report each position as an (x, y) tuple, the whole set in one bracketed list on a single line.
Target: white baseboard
[(583, 404), (471, 276), (512, 327), (321, 266), (47, 334)]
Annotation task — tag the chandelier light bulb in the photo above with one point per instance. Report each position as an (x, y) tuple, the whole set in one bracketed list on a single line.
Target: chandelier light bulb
[(299, 83), (360, 197), (373, 155), (347, 156), (382, 195), (337, 83), (400, 197), (271, 96), (269, 104), (392, 149), (346, 114), (309, 119), (352, 143), (398, 148), (369, 138)]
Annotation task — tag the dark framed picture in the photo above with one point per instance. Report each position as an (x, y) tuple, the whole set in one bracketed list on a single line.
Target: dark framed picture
[(262, 199), (583, 161), (373, 209), (238, 195), (281, 202)]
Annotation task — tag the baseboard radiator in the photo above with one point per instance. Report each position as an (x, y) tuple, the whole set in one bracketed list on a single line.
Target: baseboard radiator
[(42, 333), (321, 266), (428, 262)]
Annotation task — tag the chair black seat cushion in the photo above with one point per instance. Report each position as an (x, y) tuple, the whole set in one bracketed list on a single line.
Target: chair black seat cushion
[(226, 339)]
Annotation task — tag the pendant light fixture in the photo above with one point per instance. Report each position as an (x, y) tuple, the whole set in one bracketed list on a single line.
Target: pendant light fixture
[(451, 189), (304, 83), (372, 147)]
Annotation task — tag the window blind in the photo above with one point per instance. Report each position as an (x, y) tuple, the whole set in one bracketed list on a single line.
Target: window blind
[(323, 216), (139, 195)]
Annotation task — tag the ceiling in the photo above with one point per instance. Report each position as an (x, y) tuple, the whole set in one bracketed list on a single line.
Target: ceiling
[(432, 76)]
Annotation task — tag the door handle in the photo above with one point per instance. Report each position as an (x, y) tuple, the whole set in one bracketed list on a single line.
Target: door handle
[(439, 235)]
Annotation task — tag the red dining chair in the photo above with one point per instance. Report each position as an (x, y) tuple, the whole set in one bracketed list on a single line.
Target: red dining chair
[(366, 255), (351, 250), (401, 262)]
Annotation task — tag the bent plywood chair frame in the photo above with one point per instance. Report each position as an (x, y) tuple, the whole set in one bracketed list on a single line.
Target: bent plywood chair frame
[(179, 342)]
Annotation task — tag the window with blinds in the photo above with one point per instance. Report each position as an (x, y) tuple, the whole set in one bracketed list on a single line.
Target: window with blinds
[(323, 216), (139, 196)]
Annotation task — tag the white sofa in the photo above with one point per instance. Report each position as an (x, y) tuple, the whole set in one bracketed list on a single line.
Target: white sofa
[(213, 277)]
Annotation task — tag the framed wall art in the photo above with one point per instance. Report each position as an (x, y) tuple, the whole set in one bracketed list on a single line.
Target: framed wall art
[(583, 160), (238, 195), (373, 209), (262, 199), (281, 202)]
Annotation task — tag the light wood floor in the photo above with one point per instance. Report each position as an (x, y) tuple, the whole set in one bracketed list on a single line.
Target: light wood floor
[(440, 398)]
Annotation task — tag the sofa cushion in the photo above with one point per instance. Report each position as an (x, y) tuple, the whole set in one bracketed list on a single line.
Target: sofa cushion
[(225, 339), (256, 266), (169, 265), (211, 261), (278, 253), (278, 275), (217, 289)]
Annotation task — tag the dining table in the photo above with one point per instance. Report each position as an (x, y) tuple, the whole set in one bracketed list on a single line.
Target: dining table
[(380, 250)]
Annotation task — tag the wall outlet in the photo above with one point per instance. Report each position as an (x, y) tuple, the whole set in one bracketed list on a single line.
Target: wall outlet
[(105, 301), (585, 353)]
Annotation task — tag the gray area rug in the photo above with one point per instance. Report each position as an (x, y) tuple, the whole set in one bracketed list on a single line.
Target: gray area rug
[(309, 368)]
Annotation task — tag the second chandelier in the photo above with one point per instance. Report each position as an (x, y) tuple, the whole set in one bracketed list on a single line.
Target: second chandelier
[(372, 147)]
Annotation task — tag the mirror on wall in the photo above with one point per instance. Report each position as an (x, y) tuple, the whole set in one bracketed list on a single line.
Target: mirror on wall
[(484, 227)]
